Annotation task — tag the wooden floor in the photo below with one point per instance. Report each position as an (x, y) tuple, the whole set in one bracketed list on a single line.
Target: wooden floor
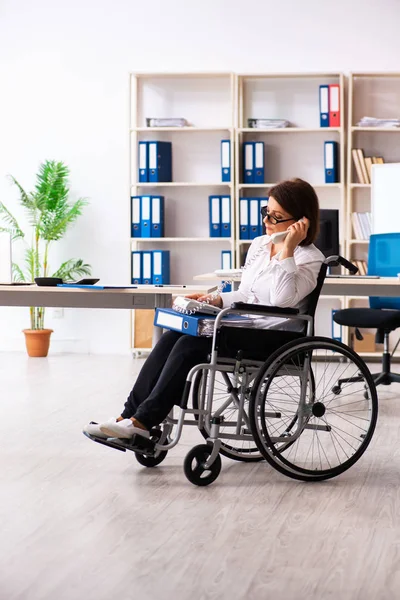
[(80, 521)]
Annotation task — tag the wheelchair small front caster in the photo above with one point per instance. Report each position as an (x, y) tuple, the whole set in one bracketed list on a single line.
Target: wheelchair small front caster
[(194, 462), (336, 390), (147, 460)]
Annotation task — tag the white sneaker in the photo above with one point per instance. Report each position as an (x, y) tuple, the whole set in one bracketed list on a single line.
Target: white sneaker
[(93, 428), (123, 429)]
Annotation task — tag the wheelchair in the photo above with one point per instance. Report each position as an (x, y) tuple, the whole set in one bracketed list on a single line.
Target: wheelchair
[(275, 399)]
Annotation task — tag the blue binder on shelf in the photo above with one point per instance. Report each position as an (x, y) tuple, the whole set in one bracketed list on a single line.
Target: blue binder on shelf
[(157, 216), (143, 162), (147, 264), (225, 216), (215, 215), (244, 228), (248, 162), (259, 172), (336, 329), (145, 216), (261, 203), (135, 216), (136, 267), (161, 267), (226, 160), (160, 161), (331, 154), (254, 217), (324, 105)]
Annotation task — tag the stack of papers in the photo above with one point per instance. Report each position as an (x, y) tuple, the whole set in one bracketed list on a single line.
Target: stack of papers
[(206, 325), (166, 122), (268, 123), (373, 122)]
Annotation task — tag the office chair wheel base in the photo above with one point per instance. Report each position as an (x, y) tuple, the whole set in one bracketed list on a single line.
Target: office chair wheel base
[(193, 465)]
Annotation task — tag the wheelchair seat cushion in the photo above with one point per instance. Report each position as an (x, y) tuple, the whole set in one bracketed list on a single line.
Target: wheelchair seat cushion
[(369, 318), (255, 344)]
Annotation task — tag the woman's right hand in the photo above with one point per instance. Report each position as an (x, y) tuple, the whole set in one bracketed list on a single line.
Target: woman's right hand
[(204, 298)]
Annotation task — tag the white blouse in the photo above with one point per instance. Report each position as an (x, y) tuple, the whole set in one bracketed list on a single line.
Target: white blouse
[(274, 282)]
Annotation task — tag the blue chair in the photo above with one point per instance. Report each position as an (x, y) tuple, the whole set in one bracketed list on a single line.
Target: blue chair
[(384, 313)]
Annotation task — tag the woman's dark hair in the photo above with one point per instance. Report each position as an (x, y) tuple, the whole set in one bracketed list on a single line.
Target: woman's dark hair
[(298, 199)]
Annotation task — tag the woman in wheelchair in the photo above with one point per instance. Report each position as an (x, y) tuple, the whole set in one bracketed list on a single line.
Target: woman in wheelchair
[(280, 274)]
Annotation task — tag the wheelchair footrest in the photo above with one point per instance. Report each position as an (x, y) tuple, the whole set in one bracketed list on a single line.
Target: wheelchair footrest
[(137, 443)]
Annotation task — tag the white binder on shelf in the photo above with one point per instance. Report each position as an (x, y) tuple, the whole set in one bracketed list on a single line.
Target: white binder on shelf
[(244, 229), (254, 212), (147, 257)]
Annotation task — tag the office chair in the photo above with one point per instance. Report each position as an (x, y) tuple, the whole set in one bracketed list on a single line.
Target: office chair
[(384, 313)]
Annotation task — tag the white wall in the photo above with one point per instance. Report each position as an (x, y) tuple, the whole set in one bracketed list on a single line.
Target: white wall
[(63, 95)]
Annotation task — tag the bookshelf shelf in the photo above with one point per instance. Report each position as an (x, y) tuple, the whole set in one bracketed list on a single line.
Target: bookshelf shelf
[(354, 241), (181, 239), (360, 185), (171, 184), (180, 129), (376, 129), (242, 186), (290, 130)]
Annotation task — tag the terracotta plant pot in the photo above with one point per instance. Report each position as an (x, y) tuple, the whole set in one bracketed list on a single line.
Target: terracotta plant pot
[(37, 341)]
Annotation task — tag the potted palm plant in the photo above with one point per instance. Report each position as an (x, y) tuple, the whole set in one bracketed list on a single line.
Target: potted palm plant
[(49, 214)]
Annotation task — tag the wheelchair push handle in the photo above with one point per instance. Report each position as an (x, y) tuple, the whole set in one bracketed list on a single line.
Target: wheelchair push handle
[(334, 261)]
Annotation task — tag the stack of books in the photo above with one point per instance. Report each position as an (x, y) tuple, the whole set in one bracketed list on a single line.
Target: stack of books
[(373, 122), (166, 122), (362, 266), (363, 164), (267, 123), (362, 225)]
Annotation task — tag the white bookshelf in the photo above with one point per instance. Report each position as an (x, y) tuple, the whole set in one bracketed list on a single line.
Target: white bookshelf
[(374, 95), (208, 102), (295, 151)]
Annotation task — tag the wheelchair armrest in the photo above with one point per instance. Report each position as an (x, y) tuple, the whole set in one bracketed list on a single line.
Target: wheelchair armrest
[(263, 308)]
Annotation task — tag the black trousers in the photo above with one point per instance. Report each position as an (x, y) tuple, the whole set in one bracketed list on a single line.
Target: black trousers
[(162, 378)]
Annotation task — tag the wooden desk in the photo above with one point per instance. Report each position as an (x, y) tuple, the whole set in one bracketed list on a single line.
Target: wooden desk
[(142, 297), (339, 286)]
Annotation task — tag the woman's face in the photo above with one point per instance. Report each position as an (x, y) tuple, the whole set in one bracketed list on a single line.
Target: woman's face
[(276, 213)]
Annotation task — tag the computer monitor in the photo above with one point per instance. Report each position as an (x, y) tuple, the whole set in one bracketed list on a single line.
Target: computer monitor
[(328, 237), (5, 258)]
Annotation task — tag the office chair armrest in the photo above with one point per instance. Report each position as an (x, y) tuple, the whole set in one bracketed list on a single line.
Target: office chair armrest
[(263, 308)]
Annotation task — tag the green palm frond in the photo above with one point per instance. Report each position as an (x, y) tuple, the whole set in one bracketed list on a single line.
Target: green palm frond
[(55, 223), (52, 183), (32, 261), (17, 273), (7, 217), (71, 269)]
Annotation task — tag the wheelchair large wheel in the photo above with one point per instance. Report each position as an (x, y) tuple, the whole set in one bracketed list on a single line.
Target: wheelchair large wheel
[(245, 449), (302, 426)]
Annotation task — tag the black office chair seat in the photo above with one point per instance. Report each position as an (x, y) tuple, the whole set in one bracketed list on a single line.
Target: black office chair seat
[(374, 318), (384, 321)]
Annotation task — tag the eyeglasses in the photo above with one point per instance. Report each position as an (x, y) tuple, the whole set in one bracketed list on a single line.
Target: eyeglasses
[(266, 215)]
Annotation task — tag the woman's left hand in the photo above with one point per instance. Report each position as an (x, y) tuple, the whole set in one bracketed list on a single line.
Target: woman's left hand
[(297, 233)]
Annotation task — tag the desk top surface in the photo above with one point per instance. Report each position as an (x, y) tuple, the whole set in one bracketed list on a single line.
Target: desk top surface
[(139, 289), (352, 280)]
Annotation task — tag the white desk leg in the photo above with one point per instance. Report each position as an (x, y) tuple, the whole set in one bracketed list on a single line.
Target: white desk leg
[(157, 333)]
